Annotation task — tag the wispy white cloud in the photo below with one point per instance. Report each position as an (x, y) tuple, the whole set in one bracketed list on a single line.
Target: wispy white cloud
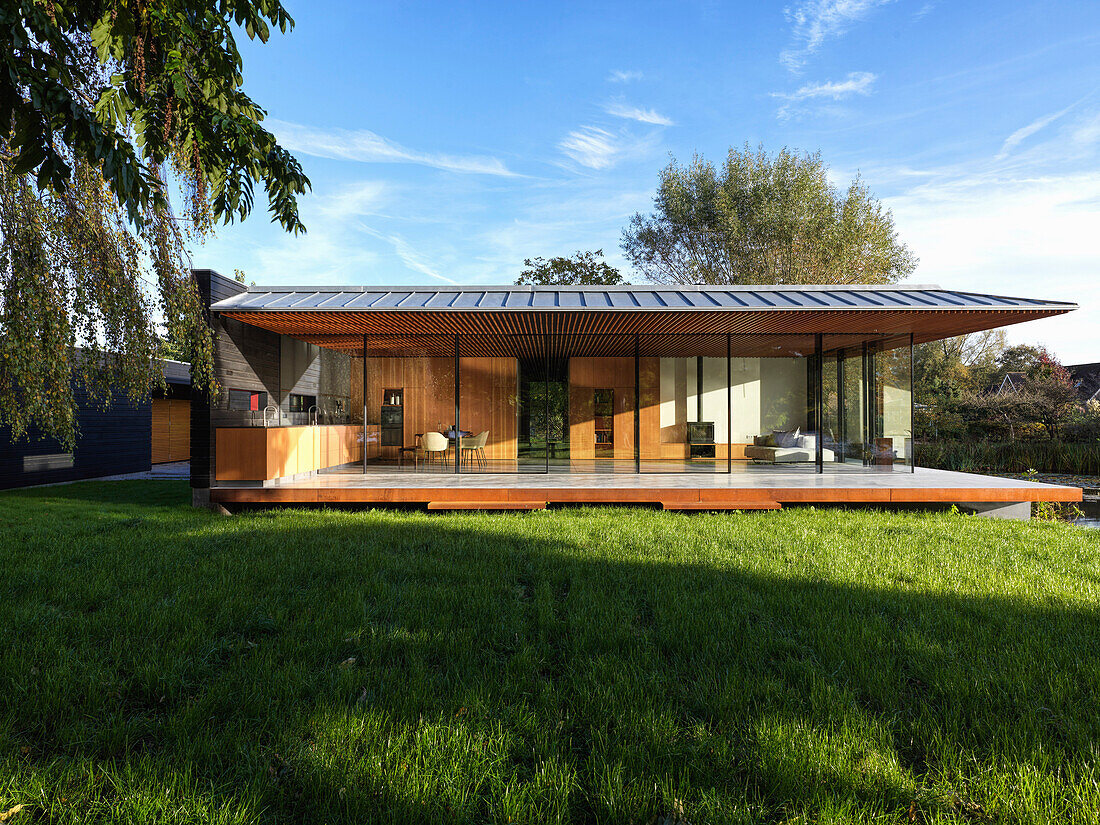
[(623, 76), (591, 146), (360, 198), (1024, 132), (409, 255), (368, 147), (620, 109), (925, 10), (598, 148), (989, 229), (1086, 132), (856, 83), (815, 21)]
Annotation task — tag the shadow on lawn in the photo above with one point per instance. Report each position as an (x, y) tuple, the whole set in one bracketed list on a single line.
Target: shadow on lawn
[(321, 668)]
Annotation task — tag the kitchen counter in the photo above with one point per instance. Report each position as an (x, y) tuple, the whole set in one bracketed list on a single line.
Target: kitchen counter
[(268, 453)]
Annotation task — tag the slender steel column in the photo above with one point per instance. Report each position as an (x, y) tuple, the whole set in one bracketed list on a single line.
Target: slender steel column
[(365, 406), (819, 402), (457, 424), (912, 413), (729, 408), (637, 409)]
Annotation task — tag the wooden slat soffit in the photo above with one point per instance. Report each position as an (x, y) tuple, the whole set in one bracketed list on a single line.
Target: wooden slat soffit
[(344, 331)]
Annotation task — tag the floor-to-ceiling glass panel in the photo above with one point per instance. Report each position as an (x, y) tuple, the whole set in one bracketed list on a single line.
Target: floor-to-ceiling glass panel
[(409, 404), (772, 398), (337, 411), (590, 389), (872, 426), (831, 398), (502, 404), (891, 396), (683, 415), (844, 424)]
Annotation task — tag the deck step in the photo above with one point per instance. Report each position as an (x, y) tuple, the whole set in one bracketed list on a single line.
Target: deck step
[(486, 505), (733, 504)]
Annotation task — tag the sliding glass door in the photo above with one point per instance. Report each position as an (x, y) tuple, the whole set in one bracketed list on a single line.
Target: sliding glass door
[(629, 403)]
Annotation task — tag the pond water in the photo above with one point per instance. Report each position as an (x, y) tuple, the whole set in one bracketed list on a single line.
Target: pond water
[(1090, 511)]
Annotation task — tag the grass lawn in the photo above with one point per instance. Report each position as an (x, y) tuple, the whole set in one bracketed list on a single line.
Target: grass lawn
[(161, 664)]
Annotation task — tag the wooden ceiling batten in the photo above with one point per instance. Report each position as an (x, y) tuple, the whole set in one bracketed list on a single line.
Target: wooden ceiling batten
[(343, 330)]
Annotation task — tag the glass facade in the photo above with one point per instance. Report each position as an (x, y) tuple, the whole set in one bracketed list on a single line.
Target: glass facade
[(644, 403)]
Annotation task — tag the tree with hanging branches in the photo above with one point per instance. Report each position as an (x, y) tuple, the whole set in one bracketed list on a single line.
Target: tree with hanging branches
[(106, 108)]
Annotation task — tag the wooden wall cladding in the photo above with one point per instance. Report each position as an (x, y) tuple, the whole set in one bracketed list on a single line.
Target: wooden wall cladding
[(488, 396), (112, 439), (263, 454), (171, 430), (586, 375), (429, 385), (488, 399)]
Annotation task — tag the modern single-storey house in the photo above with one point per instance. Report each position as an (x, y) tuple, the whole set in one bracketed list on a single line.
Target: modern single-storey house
[(118, 438), (515, 397)]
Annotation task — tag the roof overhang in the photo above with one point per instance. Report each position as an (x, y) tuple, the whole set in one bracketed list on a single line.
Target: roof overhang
[(339, 317)]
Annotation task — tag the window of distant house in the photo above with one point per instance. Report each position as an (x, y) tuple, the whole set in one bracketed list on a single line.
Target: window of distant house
[(302, 403), (247, 400)]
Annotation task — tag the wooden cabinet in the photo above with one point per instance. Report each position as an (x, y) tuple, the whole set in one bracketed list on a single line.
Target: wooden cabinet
[(614, 379), (267, 453)]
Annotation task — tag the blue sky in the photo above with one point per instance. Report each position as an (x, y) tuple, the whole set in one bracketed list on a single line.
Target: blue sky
[(448, 142)]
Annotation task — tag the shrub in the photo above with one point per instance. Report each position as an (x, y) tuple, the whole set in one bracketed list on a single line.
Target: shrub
[(1074, 458)]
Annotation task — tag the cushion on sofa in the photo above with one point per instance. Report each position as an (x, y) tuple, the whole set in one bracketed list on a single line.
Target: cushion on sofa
[(786, 438)]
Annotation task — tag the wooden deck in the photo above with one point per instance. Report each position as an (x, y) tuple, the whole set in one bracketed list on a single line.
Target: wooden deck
[(749, 489)]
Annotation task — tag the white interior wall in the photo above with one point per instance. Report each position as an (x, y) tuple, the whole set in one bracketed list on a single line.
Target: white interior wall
[(896, 411), (681, 407)]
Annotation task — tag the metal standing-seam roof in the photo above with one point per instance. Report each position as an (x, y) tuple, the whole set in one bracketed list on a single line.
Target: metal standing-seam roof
[(341, 317), (620, 298)]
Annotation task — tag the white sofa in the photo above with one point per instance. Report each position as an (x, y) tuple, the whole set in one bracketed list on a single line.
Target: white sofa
[(790, 447)]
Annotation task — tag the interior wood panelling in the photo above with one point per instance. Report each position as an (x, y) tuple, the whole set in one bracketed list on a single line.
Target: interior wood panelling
[(586, 375), (488, 395), (488, 398), (429, 385)]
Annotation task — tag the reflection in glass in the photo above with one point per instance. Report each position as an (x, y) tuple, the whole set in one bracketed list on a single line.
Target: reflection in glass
[(683, 419), (772, 398), (409, 405), (595, 376)]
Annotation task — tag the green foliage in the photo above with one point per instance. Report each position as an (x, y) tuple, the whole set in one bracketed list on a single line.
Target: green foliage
[(974, 456), (166, 86), (1019, 358), (764, 219), (1044, 395), (105, 101), (76, 306), (167, 665), (582, 269)]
